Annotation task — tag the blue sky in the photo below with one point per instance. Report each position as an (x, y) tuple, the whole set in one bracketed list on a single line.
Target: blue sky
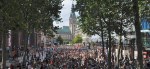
[(65, 13)]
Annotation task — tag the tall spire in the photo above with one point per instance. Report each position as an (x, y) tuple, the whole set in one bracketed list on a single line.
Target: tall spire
[(72, 8), (72, 14)]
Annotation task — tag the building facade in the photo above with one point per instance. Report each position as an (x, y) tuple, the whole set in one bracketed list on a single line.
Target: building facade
[(68, 32), (72, 22), (64, 32)]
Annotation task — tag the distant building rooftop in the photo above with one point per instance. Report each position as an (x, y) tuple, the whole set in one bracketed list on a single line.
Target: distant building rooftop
[(64, 30)]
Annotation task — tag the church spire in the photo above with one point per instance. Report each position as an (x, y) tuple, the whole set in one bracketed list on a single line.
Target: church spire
[(72, 14), (72, 8)]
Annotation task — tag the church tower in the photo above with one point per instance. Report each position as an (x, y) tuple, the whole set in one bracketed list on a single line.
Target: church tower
[(72, 22)]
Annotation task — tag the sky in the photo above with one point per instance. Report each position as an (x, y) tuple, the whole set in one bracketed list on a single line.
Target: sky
[(65, 13)]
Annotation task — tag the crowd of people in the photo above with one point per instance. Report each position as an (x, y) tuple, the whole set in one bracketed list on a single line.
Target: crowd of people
[(61, 58), (70, 58)]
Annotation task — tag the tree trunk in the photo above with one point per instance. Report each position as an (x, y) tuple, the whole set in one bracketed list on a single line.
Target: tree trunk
[(4, 52), (32, 38), (1, 46), (138, 33), (120, 42), (4, 49), (25, 48), (102, 35), (132, 51), (36, 37), (102, 32), (15, 39), (119, 50), (109, 52), (133, 46)]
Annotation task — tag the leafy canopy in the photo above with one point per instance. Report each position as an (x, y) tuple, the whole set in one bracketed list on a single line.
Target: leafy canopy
[(77, 39), (30, 14)]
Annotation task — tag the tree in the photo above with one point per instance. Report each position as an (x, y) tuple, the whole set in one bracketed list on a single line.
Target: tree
[(40, 15), (109, 15), (138, 33), (27, 15), (90, 19), (77, 39), (123, 20), (144, 9), (112, 16), (60, 40), (7, 12)]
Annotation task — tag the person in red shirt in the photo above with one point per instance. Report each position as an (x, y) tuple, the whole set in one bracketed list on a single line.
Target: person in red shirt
[(51, 62)]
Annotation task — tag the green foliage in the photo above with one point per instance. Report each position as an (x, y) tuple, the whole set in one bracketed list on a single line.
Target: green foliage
[(77, 39), (144, 9), (95, 16), (109, 16), (31, 14), (60, 40)]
